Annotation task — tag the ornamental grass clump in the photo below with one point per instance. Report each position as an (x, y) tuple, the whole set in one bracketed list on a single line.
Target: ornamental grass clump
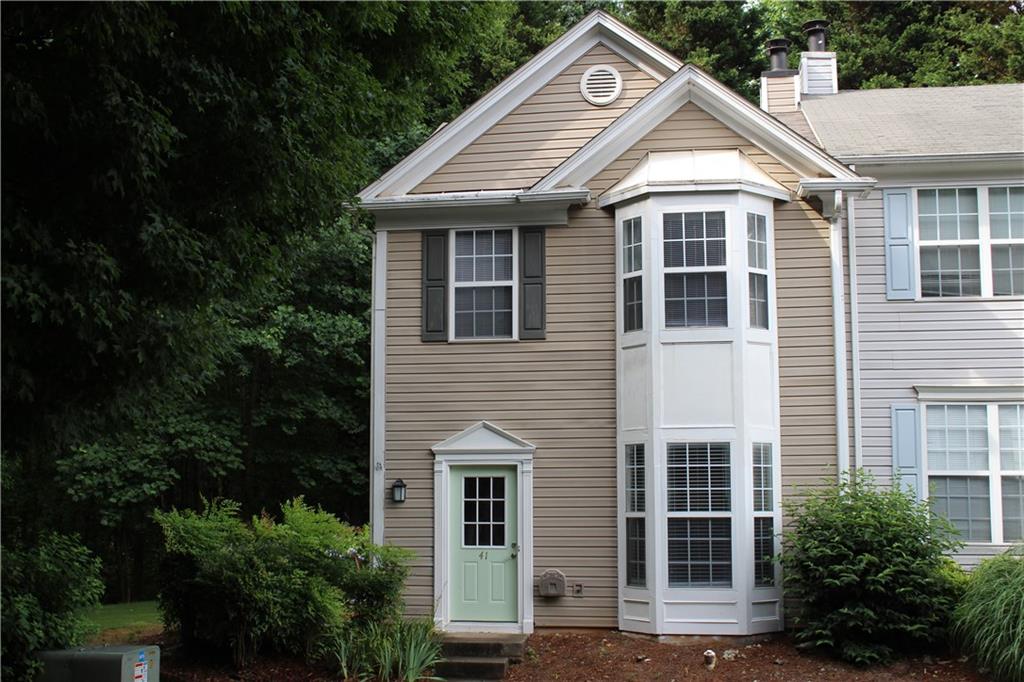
[(988, 623), (866, 567)]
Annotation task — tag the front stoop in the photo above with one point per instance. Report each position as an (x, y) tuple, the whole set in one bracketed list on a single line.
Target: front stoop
[(479, 656)]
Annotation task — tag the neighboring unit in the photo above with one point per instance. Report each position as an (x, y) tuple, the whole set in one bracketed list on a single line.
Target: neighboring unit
[(617, 320)]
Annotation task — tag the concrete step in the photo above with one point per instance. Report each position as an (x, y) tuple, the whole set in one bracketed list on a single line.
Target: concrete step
[(509, 646), (472, 668)]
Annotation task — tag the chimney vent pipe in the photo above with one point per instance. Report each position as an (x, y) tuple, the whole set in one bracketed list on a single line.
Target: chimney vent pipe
[(778, 53), (815, 30)]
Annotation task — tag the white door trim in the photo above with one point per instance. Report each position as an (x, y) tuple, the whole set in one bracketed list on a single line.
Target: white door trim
[(443, 462)]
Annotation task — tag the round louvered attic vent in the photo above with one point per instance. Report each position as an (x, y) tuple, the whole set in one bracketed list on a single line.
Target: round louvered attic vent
[(601, 85)]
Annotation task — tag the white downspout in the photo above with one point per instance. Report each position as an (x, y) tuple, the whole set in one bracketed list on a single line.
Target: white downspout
[(839, 333), (858, 445)]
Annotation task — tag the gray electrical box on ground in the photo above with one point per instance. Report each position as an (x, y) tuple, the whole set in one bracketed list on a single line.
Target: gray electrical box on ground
[(102, 664)]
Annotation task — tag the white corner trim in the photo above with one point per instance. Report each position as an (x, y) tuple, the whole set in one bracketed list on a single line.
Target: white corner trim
[(378, 345), (443, 462), (596, 27), (971, 393), (851, 253), (692, 84)]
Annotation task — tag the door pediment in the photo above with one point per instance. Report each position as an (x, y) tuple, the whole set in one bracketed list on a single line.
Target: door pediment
[(484, 438)]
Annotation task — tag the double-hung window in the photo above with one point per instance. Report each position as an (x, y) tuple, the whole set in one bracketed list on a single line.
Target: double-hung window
[(699, 495), (636, 505), (695, 269), (632, 271), (757, 264), (483, 284), (764, 516), (975, 459), (971, 241)]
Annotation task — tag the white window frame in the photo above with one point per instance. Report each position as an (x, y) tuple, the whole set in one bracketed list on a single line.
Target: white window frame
[(662, 270), (984, 241), (994, 473), (631, 274), (766, 270), (630, 513), (453, 285)]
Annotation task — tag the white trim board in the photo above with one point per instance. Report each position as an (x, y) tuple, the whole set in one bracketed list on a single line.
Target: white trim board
[(483, 444), (378, 341), (597, 27), (971, 393)]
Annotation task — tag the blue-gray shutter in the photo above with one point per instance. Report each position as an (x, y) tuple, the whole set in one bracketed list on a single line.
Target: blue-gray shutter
[(435, 286), (531, 283), (906, 446), (900, 277)]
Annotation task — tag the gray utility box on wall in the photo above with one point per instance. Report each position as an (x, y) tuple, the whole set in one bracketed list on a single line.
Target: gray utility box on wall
[(102, 664)]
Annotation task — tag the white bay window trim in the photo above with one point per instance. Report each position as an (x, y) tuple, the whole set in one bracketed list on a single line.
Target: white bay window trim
[(453, 285), (984, 242), (994, 474)]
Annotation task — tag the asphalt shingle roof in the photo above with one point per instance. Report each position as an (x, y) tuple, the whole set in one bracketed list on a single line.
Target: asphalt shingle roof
[(904, 121)]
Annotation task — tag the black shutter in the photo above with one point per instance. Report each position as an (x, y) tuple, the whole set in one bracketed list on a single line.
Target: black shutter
[(435, 286), (531, 283)]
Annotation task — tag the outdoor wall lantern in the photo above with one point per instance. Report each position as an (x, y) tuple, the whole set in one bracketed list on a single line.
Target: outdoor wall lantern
[(398, 491)]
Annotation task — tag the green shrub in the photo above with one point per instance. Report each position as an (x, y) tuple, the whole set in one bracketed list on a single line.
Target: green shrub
[(45, 590), (294, 586), (388, 650), (989, 620), (867, 570)]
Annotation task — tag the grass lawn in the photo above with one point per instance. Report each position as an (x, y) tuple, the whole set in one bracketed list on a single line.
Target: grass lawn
[(121, 623)]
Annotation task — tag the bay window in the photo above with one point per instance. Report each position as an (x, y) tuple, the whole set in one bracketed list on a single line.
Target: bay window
[(633, 279), (699, 515), (757, 264), (695, 269), (636, 505)]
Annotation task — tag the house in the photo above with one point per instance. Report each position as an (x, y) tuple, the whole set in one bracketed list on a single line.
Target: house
[(620, 313)]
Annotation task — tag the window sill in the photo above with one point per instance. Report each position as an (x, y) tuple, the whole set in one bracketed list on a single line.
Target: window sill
[(502, 340)]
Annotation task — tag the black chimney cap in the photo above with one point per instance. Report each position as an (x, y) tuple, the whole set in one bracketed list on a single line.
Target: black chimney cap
[(778, 44), (815, 25)]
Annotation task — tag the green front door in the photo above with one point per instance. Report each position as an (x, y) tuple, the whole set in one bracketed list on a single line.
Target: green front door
[(484, 541)]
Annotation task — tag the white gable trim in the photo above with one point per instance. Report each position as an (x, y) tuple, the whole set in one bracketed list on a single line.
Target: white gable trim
[(690, 84), (484, 438), (597, 27)]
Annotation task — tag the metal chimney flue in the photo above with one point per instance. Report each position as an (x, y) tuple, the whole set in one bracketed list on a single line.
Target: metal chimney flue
[(778, 53), (816, 30)]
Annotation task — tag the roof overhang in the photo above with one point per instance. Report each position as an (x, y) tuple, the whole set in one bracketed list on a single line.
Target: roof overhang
[(691, 84), (818, 186), (704, 170), (475, 209), (596, 28)]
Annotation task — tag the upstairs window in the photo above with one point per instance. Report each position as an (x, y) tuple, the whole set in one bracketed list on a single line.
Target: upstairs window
[(633, 279), (695, 269), (1006, 225), (484, 280), (757, 263), (950, 246)]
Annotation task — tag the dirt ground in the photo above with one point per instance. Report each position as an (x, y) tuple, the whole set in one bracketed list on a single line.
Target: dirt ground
[(570, 656), (606, 655)]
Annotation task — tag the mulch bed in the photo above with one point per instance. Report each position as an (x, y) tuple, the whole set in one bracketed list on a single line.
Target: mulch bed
[(566, 655), (605, 655)]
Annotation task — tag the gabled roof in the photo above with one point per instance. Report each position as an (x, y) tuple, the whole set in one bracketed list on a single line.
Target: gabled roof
[(596, 27), (482, 438), (693, 84), (973, 119)]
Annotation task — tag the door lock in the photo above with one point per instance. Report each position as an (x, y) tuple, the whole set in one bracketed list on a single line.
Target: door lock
[(515, 550)]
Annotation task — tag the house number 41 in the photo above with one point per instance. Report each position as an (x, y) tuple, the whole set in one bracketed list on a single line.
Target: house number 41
[(483, 555)]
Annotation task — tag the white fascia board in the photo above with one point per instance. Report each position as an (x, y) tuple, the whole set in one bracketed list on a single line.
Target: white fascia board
[(901, 159), (476, 209), (977, 392), (446, 142), (692, 84), (635, 191)]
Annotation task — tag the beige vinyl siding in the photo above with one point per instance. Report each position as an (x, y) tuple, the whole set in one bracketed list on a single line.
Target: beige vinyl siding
[(907, 343), (558, 393), (803, 280), (781, 93), (542, 132)]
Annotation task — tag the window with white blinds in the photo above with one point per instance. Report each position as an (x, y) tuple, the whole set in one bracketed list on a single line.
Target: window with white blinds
[(975, 461), (636, 506), (699, 496), (695, 269)]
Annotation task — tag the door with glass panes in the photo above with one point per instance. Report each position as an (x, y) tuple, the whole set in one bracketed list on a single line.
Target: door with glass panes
[(484, 544)]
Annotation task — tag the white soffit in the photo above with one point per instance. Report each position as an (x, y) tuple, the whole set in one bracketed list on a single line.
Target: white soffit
[(694, 171), (483, 438), (691, 84), (597, 27)]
